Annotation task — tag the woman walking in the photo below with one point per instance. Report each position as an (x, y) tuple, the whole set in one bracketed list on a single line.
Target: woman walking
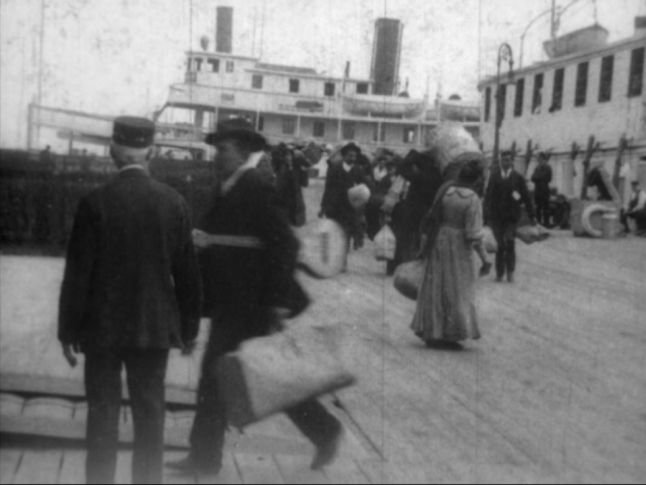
[(445, 312)]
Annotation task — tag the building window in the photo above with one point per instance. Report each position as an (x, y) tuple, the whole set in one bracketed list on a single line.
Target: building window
[(379, 133), (198, 63), (230, 66), (581, 84), (261, 123), (636, 80), (557, 92), (319, 129), (256, 81), (487, 106), (502, 100), (605, 80), (329, 89), (289, 126), (409, 134), (215, 64), (362, 88), (347, 130), (294, 85), (537, 98), (520, 96)]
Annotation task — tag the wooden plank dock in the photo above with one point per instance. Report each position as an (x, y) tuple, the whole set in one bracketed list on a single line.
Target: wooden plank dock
[(553, 392)]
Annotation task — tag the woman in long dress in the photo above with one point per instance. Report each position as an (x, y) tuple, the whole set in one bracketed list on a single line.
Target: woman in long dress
[(452, 229)]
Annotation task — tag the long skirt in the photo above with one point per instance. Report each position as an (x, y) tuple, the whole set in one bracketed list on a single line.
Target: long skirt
[(446, 302)]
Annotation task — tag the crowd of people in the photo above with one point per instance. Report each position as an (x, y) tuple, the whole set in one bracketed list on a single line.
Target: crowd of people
[(140, 274)]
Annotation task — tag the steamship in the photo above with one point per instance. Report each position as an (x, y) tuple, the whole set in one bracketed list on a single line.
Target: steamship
[(298, 104), (588, 98)]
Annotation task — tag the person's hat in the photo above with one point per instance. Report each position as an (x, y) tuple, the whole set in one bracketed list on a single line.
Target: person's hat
[(349, 147), (240, 130), (133, 132), (506, 153), (634, 182)]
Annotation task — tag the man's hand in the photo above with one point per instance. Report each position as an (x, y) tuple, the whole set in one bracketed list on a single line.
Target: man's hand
[(200, 238), (68, 352)]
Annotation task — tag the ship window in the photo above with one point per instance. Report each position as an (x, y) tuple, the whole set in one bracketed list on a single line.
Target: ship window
[(487, 106), (502, 100), (557, 92), (230, 66), (605, 81), (362, 88), (379, 133), (347, 129), (319, 129), (537, 99), (261, 123), (294, 85), (636, 81), (329, 89), (215, 64), (520, 95), (581, 84), (198, 63), (289, 126), (256, 81), (409, 134)]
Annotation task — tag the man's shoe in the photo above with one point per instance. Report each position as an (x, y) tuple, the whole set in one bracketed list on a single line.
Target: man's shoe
[(326, 453), (510, 277), (189, 466), (498, 279)]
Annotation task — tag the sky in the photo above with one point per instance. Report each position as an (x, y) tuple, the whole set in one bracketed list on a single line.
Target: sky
[(119, 56)]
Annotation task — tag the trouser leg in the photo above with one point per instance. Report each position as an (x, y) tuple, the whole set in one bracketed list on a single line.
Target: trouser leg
[(103, 390), (498, 232), (314, 421), (146, 370), (510, 248)]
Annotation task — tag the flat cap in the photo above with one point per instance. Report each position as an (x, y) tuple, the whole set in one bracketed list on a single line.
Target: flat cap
[(240, 130), (133, 132)]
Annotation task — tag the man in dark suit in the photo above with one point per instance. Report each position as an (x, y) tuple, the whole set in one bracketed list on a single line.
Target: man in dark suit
[(131, 290), (248, 286), (506, 191), (335, 203)]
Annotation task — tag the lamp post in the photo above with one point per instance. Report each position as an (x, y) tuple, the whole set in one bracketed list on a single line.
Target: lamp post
[(504, 54)]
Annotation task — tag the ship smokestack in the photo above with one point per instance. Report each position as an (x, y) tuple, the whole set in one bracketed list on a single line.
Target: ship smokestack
[(224, 30), (386, 52)]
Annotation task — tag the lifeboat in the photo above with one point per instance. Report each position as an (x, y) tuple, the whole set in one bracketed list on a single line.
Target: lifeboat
[(380, 105)]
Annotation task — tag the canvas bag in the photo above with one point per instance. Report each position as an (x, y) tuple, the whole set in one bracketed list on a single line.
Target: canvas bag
[(489, 242), (408, 278), (530, 234), (385, 244), (268, 375)]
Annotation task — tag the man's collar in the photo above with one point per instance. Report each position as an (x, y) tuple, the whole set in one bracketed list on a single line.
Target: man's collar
[(132, 167), (346, 166), (251, 163)]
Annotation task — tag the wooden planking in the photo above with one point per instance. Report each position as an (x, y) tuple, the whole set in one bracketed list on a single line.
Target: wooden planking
[(173, 476), (228, 474), (49, 385), (345, 470), (72, 467), (9, 463), (257, 468), (297, 470), (123, 473), (39, 466)]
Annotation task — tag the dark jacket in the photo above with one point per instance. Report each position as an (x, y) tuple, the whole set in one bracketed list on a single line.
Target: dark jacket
[(242, 281), (505, 197), (542, 177), (131, 277), (335, 203)]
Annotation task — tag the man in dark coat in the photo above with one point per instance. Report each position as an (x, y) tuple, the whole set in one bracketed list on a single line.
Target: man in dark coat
[(506, 191), (131, 290), (248, 285), (335, 203), (541, 178)]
